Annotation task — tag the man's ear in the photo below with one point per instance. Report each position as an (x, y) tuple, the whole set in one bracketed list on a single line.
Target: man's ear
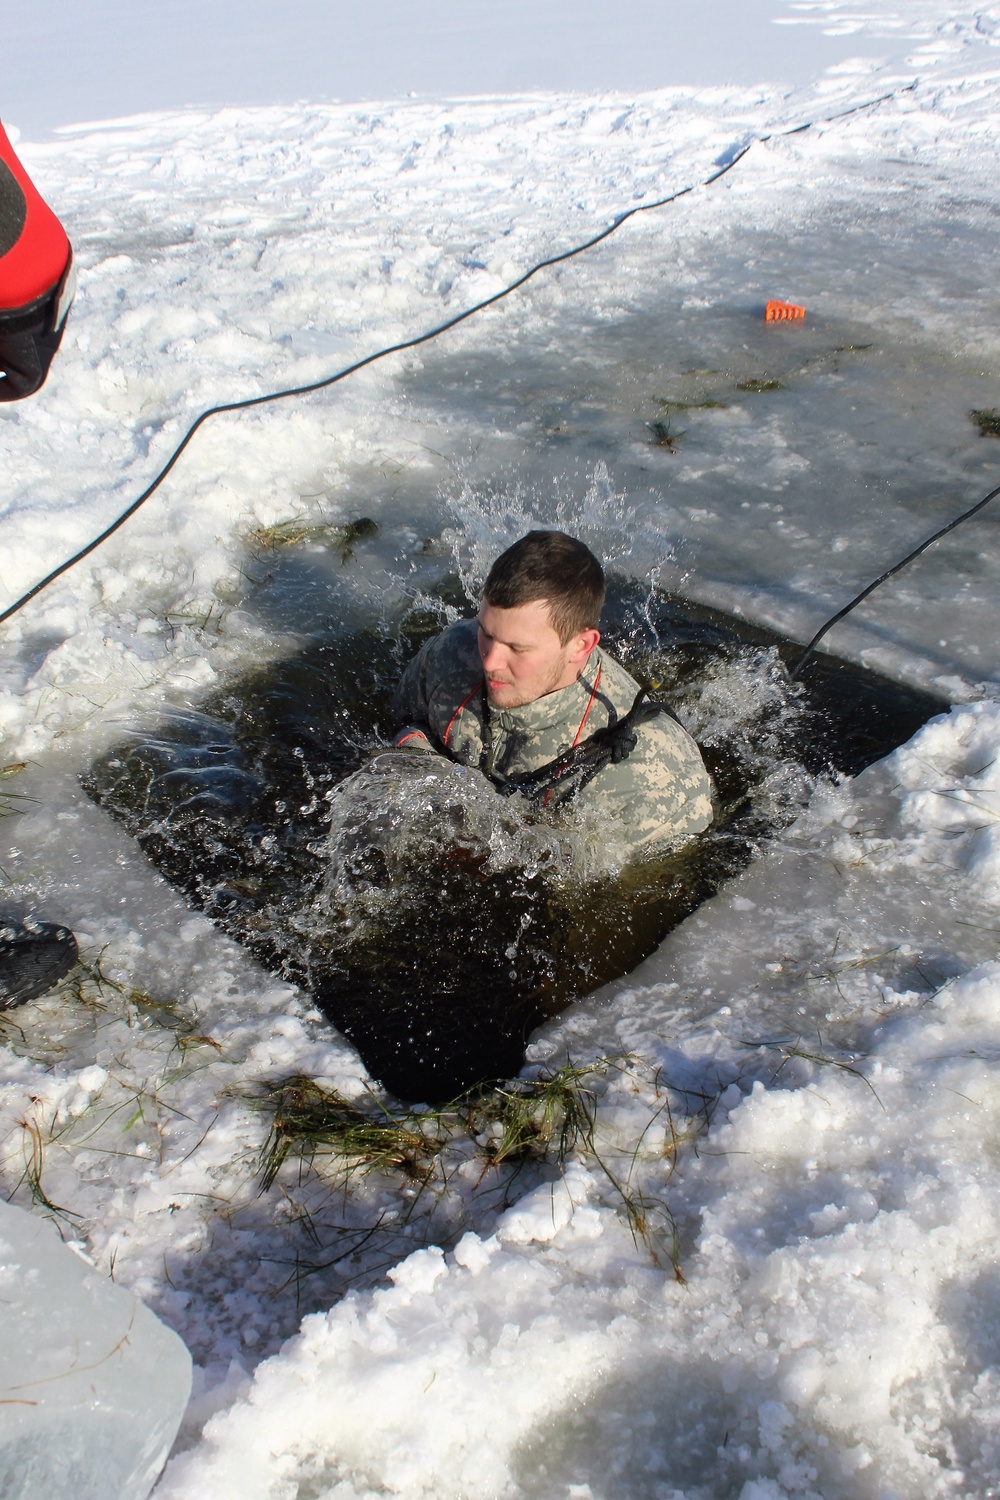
[(583, 644)]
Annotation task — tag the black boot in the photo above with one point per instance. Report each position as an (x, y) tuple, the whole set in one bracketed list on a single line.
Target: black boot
[(33, 957)]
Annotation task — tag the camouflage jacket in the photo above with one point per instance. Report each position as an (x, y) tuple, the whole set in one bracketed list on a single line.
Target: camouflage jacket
[(656, 799)]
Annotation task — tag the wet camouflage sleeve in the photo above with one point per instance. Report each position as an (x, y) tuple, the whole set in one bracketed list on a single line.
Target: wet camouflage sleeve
[(660, 796), (410, 707), (439, 679)]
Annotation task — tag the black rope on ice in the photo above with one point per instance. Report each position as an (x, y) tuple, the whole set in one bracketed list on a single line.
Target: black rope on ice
[(423, 338), (888, 574)]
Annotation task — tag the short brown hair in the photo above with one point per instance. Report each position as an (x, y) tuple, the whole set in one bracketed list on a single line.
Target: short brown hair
[(555, 567)]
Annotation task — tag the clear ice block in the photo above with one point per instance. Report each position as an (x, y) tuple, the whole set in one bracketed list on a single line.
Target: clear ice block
[(92, 1385)]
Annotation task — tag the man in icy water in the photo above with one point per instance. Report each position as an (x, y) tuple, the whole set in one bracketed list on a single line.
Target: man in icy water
[(525, 694)]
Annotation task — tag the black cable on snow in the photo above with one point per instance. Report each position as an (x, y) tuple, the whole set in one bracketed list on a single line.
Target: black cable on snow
[(797, 668), (423, 338)]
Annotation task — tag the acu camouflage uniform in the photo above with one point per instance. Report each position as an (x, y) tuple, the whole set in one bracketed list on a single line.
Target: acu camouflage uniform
[(656, 799)]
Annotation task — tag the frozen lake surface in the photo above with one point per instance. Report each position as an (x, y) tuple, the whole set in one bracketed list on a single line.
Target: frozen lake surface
[(65, 64), (765, 1265)]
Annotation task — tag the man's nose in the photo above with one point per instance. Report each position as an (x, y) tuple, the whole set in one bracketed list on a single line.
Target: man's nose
[(495, 656)]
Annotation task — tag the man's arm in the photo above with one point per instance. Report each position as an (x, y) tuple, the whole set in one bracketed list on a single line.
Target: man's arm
[(438, 684), (410, 708)]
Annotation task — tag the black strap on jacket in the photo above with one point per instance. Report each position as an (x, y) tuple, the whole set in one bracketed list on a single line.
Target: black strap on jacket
[(578, 766)]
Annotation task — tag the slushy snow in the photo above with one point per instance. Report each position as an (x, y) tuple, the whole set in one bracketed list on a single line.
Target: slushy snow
[(795, 1295)]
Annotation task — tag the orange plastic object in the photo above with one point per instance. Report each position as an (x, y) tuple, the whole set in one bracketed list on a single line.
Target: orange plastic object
[(780, 312)]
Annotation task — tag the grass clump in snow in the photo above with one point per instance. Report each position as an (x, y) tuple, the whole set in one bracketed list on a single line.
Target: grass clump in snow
[(204, 618), (33, 1145), (282, 534), (9, 800), (756, 386), (555, 1116), (544, 1120), (309, 1118), (794, 1050), (347, 537), (664, 436), (89, 999), (988, 422), (550, 1116), (707, 405), (343, 538), (119, 1121)]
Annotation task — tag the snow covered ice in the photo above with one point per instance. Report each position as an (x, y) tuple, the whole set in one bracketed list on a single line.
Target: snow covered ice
[(92, 1386), (770, 1269)]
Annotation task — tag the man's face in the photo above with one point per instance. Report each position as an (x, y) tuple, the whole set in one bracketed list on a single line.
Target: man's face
[(523, 657)]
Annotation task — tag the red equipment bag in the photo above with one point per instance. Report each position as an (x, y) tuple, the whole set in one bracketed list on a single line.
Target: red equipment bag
[(36, 280)]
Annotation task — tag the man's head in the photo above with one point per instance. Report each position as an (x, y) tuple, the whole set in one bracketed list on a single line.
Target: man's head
[(539, 619)]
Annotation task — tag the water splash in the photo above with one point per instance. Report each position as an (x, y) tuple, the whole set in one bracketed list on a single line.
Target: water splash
[(491, 516)]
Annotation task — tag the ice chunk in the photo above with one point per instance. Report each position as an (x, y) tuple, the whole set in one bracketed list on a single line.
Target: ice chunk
[(92, 1385)]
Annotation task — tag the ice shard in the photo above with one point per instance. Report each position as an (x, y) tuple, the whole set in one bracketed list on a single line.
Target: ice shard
[(92, 1385)]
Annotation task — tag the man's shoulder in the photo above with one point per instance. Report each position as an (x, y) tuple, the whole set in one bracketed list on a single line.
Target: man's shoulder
[(664, 744), (660, 792), (617, 687), (664, 749)]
